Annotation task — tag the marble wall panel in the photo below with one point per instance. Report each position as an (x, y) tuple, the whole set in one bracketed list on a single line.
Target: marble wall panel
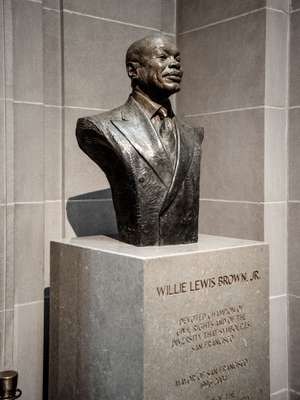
[(276, 75), (294, 151), (200, 13), (234, 219), (29, 254), (295, 60), (276, 154), (278, 344), (275, 221), (293, 248), (224, 66), (52, 57), (29, 349), (28, 51), (28, 152), (232, 167), (53, 153), (294, 345)]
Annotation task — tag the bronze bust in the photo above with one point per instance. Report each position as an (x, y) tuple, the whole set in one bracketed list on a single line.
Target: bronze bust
[(150, 157)]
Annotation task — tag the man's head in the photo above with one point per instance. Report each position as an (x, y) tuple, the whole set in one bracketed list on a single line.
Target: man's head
[(153, 65)]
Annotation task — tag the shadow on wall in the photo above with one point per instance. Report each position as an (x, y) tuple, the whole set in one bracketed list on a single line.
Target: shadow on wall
[(92, 214)]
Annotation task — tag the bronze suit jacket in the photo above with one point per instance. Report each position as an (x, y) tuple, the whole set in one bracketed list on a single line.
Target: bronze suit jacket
[(154, 204)]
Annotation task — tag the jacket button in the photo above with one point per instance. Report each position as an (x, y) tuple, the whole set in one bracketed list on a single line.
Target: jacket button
[(141, 180)]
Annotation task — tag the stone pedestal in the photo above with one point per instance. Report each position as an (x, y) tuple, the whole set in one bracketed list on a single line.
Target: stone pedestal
[(159, 323)]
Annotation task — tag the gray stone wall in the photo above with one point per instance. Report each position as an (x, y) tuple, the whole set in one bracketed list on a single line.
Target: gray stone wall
[(235, 86), (294, 204)]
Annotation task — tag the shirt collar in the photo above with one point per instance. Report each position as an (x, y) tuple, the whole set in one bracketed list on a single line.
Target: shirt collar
[(149, 106)]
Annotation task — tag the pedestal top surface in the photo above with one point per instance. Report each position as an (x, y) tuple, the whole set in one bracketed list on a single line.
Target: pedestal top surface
[(206, 243)]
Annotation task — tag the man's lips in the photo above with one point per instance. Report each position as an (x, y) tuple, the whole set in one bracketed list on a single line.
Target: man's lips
[(174, 76)]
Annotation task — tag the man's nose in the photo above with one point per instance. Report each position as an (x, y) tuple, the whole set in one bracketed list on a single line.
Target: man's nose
[(174, 63)]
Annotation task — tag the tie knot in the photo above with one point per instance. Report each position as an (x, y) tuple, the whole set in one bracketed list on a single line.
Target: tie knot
[(162, 112)]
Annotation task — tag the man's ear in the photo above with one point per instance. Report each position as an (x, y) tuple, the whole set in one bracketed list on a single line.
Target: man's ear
[(132, 67)]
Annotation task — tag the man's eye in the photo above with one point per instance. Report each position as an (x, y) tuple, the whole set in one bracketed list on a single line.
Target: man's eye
[(162, 57), (178, 59)]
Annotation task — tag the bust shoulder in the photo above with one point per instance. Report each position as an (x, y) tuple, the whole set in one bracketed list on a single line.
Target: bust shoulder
[(95, 130), (100, 120)]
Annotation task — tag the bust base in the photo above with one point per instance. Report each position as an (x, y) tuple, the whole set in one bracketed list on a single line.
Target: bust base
[(159, 323)]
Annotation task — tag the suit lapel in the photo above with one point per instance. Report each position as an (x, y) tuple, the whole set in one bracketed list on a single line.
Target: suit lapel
[(138, 130), (185, 150)]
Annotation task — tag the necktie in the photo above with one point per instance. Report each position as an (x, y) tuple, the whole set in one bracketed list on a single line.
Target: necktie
[(167, 134)]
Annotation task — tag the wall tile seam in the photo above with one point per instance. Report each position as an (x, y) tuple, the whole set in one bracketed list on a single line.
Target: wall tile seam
[(53, 106), (5, 310), (278, 296), (38, 103), (88, 201), (295, 10), (293, 107), (6, 99), (287, 126), (23, 203), (68, 106), (33, 103), (277, 10), (294, 391), (279, 391), (35, 1), (260, 107), (57, 105), (85, 108), (53, 201), (208, 200), (65, 10), (280, 202), (30, 303), (76, 107), (46, 201), (294, 201), (201, 199), (295, 296), (225, 20), (51, 9)]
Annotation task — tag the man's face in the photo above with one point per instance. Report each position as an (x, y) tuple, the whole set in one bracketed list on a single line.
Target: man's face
[(160, 72)]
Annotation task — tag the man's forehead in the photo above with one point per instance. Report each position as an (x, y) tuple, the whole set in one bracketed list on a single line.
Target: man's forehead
[(161, 43)]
